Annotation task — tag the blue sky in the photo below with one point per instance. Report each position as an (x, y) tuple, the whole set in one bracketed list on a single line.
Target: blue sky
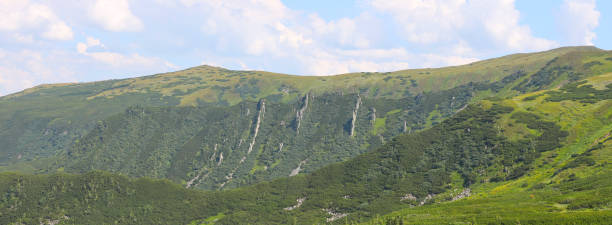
[(47, 41)]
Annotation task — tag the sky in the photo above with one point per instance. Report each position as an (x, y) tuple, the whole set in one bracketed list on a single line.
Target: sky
[(50, 41)]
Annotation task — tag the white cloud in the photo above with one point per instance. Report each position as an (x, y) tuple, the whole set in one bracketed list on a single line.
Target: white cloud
[(578, 19), (501, 21), (439, 60), (26, 68), (334, 65), (81, 48), (25, 16), (90, 42), (322, 62), (290, 37), (270, 29), (255, 26), (23, 38), (58, 31), (20, 80), (375, 53), (93, 42), (117, 59), (20, 69), (344, 31), (210, 63), (425, 21), (265, 35), (456, 30), (115, 15), (438, 22)]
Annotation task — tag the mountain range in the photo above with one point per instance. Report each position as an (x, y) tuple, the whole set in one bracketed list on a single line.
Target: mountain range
[(523, 138)]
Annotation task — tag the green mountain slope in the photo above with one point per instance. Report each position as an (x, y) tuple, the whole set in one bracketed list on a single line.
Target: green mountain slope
[(219, 147), (41, 121), (570, 185), (541, 157), (149, 126)]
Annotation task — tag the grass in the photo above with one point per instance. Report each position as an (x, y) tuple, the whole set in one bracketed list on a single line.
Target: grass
[(553, 192), (208, 221), (379, 125), (600, 82)]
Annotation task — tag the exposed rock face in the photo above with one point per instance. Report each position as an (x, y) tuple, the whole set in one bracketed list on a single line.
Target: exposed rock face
[(298, 169), (192, 183), (300, 114), (260, 117), (228, 179), (334, 215), (53, 222), (408, 197), (220, 159), (357, 104), (373, 115), (214, 155), (464, 194), (427, 198), (462, 108), (300, 201)]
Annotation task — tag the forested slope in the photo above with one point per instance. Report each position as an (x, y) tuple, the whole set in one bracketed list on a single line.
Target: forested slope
[(40, 122), (519, 139), (259, 126), (217, 147), (533, 159), (570, 185)]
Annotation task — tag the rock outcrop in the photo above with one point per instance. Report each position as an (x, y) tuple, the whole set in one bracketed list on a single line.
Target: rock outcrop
[(334, 215), (300, 114), (260, 117), (300, 201), (354, 120), (464, 194), (408, 197), (298, 169), (220, 159)]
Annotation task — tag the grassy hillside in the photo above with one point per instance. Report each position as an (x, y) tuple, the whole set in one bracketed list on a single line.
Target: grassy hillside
[(541, 157), (570, 185), (166, 125), (40, 122)]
